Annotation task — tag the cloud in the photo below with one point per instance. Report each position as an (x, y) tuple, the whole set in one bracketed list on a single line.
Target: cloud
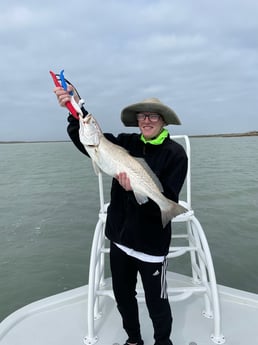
[(200, 58), (16, 17)]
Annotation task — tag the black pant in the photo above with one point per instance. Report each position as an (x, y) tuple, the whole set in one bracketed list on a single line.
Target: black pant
[(124, 270)]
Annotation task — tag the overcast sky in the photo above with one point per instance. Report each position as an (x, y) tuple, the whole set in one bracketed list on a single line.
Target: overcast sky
[(200, 57)]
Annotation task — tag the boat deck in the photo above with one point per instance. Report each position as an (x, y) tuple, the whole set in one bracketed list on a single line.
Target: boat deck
[(62, 320)]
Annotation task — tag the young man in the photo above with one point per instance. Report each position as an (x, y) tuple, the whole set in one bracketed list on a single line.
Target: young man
[(138, 241)]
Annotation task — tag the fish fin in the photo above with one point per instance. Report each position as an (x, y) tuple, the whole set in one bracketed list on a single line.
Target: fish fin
[(173, 210), (141, 199), (154, 177)]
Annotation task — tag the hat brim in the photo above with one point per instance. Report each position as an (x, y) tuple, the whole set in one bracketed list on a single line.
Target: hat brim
[(128, 114)]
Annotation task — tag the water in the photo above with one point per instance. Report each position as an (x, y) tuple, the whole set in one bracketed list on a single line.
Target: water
[(49, 210)]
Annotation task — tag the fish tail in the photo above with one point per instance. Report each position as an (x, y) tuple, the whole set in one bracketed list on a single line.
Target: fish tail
[(171, 211)]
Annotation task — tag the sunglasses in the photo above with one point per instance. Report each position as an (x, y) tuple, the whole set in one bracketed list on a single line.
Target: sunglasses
[(153, 117)]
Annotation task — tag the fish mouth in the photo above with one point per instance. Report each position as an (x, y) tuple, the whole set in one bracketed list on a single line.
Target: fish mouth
[(87, 119)]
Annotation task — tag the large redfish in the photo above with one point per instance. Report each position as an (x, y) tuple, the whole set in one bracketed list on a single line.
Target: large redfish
[(113, 159)]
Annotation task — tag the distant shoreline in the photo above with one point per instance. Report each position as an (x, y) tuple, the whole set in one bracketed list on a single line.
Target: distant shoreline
[(225, 135)]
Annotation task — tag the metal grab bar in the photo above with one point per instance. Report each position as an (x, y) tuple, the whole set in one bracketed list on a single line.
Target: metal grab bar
[(203, 273)]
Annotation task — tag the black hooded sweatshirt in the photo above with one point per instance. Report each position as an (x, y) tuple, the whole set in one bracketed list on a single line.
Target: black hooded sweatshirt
[(139, 227)]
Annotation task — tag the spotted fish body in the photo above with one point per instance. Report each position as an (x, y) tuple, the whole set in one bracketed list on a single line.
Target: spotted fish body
[(113, 159)]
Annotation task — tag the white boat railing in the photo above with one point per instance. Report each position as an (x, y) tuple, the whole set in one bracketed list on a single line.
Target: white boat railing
[(196, 245)]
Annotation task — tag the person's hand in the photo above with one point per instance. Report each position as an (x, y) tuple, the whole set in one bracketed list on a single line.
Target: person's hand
[(63, 96), (124, 181)]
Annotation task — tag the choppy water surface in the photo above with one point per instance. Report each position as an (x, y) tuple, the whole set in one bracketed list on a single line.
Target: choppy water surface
[(49, 205)]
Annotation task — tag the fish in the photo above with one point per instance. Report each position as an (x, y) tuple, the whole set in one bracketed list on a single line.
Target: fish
[(113, 159)]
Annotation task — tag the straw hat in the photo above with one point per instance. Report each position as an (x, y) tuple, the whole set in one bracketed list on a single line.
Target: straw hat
[(128, 114)]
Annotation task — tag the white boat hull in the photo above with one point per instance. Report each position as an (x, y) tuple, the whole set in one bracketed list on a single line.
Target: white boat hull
[(62, 319)]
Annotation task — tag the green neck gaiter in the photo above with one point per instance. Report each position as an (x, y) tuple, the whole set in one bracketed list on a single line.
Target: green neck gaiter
[(158, 140)]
